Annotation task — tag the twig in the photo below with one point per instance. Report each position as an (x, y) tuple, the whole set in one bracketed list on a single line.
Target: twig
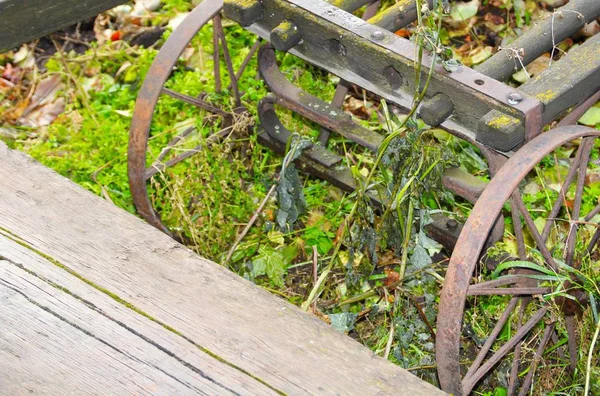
[(426, 367), (315, 263), (315, 270), (589, 359), (517, 54), (360, 297), (303, 263), (250, 224), (422, 315), (554, 45), (388, 345), (82, 92), (282, 294), (94, 177), (407, 238), (317, 287), (286, 162)]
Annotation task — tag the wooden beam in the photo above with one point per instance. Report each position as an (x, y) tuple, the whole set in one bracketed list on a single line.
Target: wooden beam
[(25, 20), (568, 82), (77, 340), (98, 267)]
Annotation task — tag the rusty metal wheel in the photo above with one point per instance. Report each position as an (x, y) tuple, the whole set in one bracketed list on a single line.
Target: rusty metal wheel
[(537, 297), (154, 87)]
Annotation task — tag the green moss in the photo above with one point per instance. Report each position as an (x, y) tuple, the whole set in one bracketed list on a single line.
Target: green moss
[(546, 96), (502, 121)]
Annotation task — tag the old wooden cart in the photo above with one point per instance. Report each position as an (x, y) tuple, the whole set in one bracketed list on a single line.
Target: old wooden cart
[(95, 301), (504, 122)]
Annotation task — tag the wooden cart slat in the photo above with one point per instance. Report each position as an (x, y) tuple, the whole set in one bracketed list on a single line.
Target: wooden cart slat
[(80, 339), (91, 292), (26, 20)]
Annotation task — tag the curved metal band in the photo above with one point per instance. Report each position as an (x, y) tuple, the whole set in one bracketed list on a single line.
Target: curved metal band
[(146, 102), (470, 244), (310, 106)]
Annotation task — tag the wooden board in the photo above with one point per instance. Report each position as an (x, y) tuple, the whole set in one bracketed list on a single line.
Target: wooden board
[(74, 264), (57, 333), (25, 20)]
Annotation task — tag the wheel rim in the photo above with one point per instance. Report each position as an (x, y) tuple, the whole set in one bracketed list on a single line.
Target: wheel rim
[(469, 248), (154, 87)]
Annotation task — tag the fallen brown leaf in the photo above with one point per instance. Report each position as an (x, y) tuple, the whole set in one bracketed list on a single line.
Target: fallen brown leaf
[(44, 106), (359, 108), (392, 277)]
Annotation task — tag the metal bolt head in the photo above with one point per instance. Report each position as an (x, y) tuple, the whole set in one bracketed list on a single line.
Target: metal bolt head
[(377, 35), (451, 224), (514, 98)]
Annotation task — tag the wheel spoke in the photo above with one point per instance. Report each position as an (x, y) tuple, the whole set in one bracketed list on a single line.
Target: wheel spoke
[(167, 149), (555, 341), (158, 166), (492, 337), (518, 200), (594, 241), (218, 26), (572, 341), (245, 62), (509, 291), (514, 370), (503, 281), (536, 359), (562, 195), (593, 213), (194, 101), (216, 55), (518, 227), (469, 383), (587, 145)]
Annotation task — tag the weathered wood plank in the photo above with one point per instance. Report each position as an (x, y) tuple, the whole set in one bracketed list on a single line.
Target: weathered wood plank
[(568, 82), (25, 20), (201, 302), (57, 333)]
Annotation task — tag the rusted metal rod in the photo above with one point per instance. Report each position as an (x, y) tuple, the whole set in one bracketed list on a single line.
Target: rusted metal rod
[(311, 107), (541, 38)]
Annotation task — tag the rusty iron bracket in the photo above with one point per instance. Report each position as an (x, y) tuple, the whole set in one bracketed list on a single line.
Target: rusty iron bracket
[(324, 35)]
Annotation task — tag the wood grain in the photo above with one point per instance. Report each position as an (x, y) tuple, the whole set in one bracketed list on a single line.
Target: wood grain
[(203, 304), (25, 20), (57, 332)]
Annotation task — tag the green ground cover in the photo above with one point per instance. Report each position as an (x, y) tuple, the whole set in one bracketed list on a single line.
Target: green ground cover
[(373, 274)]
